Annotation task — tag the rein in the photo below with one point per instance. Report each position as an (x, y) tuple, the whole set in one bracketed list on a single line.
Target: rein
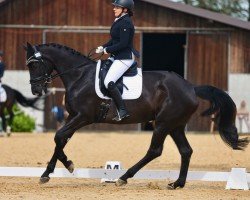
[(90, 54), (51, 77), (48, 78)]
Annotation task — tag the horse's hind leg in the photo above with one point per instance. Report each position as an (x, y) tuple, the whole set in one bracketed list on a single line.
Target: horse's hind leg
[(186, 151), (154, 151), (4, 125), (11, 113)]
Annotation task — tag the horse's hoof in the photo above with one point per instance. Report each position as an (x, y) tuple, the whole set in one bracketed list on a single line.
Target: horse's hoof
[(170, 186), (173, 186), (44, 180), (71, 167), (120, 182)]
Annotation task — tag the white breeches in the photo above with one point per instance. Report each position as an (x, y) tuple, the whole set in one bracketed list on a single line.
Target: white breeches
[(117, 69), (3, 95)]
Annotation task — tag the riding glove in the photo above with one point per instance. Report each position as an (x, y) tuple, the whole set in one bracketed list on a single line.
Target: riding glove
[(99, 49)]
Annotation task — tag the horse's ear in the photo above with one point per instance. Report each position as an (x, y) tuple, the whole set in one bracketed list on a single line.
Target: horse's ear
[(24, 47), (30, 49), (29, 45)]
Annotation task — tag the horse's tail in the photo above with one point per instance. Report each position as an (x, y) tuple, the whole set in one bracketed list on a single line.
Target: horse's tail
[(224, 109), (27, 102)]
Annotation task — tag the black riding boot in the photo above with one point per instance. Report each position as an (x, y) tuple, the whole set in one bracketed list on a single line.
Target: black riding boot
[(116, 96)]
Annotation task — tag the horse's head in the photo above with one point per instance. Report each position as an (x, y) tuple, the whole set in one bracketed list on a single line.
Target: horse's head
[(40, 69)]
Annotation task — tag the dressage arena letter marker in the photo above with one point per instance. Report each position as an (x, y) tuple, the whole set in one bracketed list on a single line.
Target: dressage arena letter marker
[(111, 165), (237, 179)]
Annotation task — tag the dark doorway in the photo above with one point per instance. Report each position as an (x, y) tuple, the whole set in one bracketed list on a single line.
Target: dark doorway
[(163, 52)]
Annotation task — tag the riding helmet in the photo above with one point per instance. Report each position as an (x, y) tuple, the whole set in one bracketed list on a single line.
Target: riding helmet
[(129, 4)]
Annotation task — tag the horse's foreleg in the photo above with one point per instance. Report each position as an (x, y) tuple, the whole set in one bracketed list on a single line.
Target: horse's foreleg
[(186, 151), (154, 151), (61, 138)]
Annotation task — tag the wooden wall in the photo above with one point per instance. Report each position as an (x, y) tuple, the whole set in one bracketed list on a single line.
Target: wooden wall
[(99, 13), (155, 16), (12, 41), (94, 13), (207, 65), (240, 52), (58, 12)]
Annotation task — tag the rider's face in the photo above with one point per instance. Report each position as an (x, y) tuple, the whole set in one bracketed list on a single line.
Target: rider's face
[(118, 11)]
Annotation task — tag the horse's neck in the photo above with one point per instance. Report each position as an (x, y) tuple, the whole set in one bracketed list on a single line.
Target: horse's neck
[(71, 74), (68, 65)]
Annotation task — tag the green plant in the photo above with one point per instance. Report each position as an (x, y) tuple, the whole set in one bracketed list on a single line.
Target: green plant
[(23, 123)]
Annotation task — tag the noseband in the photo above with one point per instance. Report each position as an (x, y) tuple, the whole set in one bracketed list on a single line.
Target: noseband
[(41, 80)]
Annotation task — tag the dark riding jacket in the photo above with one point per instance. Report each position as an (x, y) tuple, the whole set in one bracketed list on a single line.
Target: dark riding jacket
[(121, 43), (2, 67)]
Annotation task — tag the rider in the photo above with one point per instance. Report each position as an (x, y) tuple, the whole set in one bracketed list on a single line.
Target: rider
[(3, 95), (120, 46), (2, 67)]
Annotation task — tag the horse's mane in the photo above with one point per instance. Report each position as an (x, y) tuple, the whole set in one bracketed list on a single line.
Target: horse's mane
[(65, 48)]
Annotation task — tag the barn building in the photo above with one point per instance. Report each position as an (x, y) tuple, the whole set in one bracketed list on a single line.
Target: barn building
[(202, 46)]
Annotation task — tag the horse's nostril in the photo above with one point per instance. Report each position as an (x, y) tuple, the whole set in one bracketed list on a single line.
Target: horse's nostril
[(36, 93)]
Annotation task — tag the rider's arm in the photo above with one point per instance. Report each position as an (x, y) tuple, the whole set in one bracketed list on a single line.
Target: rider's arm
[(109, 43)]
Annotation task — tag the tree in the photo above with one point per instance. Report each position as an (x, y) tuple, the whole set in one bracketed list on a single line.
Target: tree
[(234, 8)]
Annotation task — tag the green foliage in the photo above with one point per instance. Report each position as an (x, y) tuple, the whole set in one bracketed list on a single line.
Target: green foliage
[(21, 121), (15, 109), (235, 8)]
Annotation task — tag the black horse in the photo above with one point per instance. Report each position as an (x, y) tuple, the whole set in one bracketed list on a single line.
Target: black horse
[(166, 98), (14, 96)]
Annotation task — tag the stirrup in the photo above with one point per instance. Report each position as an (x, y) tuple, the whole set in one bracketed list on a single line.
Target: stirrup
[(119, 118)]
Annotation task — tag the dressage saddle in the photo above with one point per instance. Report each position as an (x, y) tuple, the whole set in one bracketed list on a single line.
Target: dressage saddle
[(105, 65)]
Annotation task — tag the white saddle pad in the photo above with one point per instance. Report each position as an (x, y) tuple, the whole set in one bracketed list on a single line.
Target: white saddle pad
[(134, 85), (3, 95)]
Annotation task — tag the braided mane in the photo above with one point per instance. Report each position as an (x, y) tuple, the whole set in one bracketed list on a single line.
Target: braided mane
[(64, 48)]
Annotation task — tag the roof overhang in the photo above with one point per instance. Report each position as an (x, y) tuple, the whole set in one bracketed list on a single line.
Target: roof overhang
[(222, 18)]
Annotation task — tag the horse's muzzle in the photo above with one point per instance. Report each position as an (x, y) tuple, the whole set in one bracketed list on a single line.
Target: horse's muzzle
[(37, 90)]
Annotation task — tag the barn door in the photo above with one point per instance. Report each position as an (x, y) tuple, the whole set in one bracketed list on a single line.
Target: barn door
[(207, 63)]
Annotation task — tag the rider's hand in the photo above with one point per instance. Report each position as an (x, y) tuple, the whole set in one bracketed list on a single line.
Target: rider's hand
[(99, 49)]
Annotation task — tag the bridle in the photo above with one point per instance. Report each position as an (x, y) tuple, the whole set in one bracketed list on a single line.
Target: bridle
[(45, 79)]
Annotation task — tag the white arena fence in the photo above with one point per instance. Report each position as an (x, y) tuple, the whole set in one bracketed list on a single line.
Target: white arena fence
[(238, 178)]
